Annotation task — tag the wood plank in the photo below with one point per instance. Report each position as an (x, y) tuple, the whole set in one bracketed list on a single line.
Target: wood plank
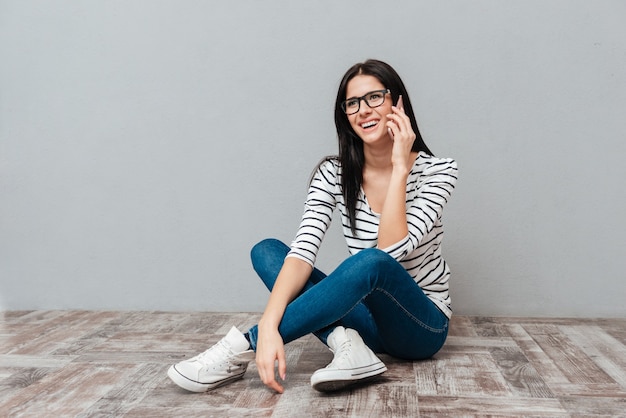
[(550, 373), (50, 334), (604, 350), (567, 356), (18, 360), (592, 406), (464, 375), (522, 378), (490, 407), (66, 392), (128, 393)]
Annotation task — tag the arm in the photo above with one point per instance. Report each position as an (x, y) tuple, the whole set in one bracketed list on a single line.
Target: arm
[(402, 229), (270, 347), (393, 225), (296, 270), (433, 187)]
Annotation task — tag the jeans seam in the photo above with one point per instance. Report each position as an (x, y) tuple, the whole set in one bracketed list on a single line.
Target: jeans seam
[(407, 313)]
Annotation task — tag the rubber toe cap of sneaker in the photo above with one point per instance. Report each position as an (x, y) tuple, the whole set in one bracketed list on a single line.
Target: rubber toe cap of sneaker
[(187, 370)]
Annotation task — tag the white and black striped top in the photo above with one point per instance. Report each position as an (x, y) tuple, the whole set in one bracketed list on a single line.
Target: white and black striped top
[(428, 189)]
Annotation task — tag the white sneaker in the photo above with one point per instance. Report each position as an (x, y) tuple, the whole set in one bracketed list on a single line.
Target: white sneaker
[(226, 361), (353, 362)]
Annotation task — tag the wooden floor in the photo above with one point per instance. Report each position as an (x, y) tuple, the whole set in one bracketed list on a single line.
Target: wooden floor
[(109, 364)]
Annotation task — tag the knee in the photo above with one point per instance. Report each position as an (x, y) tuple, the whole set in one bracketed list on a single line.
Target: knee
[(265, 246), (366, 266), (266, 250), (374, 258)]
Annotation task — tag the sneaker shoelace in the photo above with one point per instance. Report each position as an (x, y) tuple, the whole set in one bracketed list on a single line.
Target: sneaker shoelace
[(343, 353), (218, 352)]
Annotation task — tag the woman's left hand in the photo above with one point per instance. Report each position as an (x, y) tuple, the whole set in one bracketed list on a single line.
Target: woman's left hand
[(400, 130)]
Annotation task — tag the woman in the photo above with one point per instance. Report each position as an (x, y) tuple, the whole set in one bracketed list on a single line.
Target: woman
[(391, 295)]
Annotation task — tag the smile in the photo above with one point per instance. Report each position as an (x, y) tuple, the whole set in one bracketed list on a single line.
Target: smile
[(369, 124)]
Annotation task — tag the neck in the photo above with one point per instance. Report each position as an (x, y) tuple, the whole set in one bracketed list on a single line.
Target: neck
[(378, 158)]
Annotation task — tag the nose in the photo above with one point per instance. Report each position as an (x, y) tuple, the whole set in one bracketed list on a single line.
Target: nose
[(364, 107)]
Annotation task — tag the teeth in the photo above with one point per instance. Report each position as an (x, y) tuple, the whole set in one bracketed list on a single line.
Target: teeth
[(369, 124)]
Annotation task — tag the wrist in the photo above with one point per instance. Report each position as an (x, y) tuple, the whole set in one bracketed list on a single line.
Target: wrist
[(400, 173), (268, 323)]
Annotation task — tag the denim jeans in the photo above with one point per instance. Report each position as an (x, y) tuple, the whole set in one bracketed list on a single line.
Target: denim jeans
[(369, 292)]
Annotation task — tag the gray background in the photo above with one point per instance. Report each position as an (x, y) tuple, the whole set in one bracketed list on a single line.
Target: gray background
[(145, 146)]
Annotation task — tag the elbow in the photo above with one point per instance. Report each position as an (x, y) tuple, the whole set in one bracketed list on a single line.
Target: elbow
[(398, 249)]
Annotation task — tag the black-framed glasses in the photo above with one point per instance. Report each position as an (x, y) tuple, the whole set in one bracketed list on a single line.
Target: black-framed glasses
[(373, 99)]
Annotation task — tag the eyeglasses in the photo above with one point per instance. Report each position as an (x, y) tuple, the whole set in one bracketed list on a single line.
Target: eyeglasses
[(373, 99)]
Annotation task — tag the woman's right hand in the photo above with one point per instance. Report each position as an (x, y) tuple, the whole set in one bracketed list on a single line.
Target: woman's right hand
[(269, 350), (270, 347)]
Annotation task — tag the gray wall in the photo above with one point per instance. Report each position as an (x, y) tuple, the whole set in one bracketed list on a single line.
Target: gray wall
[(145, 146)]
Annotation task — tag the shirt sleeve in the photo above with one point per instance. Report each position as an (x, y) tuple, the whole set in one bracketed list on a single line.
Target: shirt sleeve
[(318, 210), (424, 210)]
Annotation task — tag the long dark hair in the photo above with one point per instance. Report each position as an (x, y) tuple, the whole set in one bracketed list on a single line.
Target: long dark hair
[(351, 156)]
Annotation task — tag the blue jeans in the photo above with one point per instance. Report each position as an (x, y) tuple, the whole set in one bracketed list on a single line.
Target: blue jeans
[(369, 292)]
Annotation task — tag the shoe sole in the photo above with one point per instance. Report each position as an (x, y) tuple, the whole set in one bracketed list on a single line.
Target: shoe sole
[(332, 383), (193, 386)]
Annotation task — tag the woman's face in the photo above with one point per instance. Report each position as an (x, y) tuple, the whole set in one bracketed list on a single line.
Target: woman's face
[(369, 123)]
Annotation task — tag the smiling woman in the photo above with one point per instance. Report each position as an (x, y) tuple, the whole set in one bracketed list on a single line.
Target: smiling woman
[(391, 295)]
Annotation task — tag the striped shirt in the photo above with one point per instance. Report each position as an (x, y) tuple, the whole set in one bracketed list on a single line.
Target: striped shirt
[(428, 189)]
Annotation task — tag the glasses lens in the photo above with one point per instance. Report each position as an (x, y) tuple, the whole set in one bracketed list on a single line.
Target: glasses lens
[(351, 106), (375, 98)]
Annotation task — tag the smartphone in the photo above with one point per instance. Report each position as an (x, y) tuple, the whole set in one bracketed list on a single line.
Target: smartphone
[(400, 106)]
